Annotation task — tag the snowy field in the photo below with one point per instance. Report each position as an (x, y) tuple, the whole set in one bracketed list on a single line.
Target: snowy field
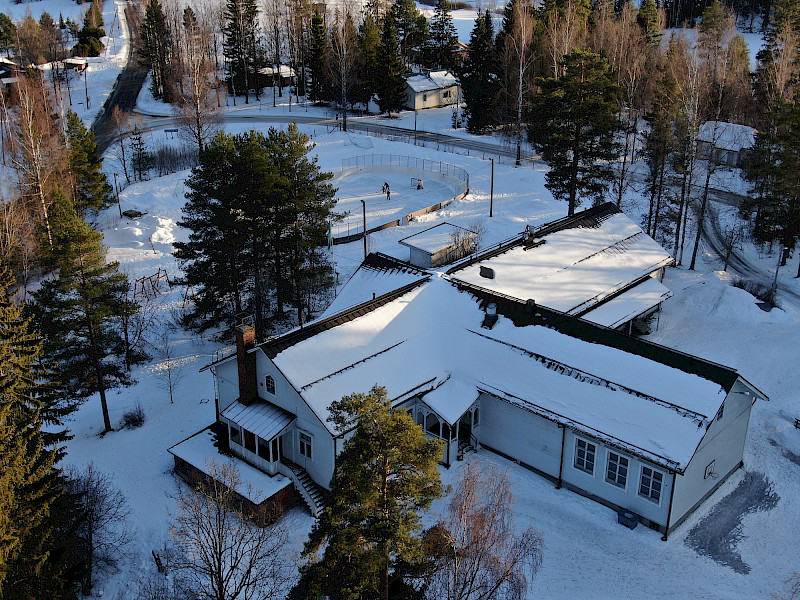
[(739, 548)]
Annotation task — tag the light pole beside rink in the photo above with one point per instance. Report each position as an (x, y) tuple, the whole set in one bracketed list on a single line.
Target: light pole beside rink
[(364, 212)]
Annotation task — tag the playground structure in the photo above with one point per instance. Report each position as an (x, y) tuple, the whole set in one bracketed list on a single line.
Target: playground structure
[(430, 179), (149, 286)]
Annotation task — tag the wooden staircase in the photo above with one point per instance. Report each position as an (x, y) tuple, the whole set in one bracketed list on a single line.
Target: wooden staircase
[(312, 494)]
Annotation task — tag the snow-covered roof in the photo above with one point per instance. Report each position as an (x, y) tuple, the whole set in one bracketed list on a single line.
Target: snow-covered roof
[(576, 266), (428, 340), (727, 136), (377, 276), (434, 80), (200, 452), (262, 418), (629, 304), (437, 238), (284, 70)]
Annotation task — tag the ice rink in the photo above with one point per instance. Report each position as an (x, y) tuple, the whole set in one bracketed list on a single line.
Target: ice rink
[(404, 199)]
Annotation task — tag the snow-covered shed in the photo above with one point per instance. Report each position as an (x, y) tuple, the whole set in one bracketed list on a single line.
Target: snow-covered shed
[(431, 89), (439, 245), (728, 143), (271, 75), (635, 426), (598, 265)]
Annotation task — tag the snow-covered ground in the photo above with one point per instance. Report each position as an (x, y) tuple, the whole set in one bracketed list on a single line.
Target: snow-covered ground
[(586, 553)]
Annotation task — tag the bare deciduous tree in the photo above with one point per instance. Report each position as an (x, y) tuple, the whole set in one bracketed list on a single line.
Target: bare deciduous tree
[(480, 555), (170, 372), (564, 29), (104, 529), (224, 555)]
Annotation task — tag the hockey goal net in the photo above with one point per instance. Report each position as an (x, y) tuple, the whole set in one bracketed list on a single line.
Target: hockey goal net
[(416, 183)]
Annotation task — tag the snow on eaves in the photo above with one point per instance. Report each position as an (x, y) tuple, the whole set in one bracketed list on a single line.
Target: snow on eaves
[(430, 340)]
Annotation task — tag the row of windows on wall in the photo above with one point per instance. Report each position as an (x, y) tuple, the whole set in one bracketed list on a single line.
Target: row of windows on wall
[(651, 481), (269, 451)]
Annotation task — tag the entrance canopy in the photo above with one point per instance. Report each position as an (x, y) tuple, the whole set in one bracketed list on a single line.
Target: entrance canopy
[(264, 419), (452, 398)]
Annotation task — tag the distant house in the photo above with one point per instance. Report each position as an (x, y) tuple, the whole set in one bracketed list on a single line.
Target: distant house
[(431, 90), (76, 64), (727, 143), (597, 265), (645, 430), (270, 76)]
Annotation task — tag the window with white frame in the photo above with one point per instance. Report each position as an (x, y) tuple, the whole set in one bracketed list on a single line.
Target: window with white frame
[(650, 484), (476, 417), (617, 470), (584, 455), (305, 444), (270, 385)]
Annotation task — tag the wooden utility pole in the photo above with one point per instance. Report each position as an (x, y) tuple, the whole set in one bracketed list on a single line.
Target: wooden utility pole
[(491, 191), (364, 212)]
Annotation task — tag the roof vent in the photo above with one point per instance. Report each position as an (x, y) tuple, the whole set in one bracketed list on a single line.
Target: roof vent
[(491, 316), (487, 272)]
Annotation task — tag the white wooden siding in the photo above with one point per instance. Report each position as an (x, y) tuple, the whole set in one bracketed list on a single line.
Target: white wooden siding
[(520, 434), (596, 483), (724, 444)]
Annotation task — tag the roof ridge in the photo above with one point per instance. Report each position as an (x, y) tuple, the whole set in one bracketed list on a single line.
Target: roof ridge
[(358, 362), (277, 345), (586, 377)]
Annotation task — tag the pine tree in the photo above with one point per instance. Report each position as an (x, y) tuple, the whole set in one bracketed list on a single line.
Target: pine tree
[(412, 31), (391, 85), (384, 477), (576, 119), (91, 190), (214, 257), (240, 46), (77, 311), (156, 49), (478, 81), (649, 21), (443, 44), (8, 34), (26, 464)]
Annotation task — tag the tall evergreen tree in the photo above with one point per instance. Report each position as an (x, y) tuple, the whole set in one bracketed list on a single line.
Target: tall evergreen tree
[(156, 49), (391, 86), (649, 21), (91, 189), (77, 311), (27, 476), (319, 59), (412, 32), (478, 81), (443, 42), (385, 476), (257, 210), (772, 170), (576, 119), (8, 34), (369, 41), (241, 47)]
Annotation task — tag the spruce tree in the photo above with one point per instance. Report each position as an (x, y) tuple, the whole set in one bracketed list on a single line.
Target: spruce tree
[(27, 477), (478, 81), (319, 59), (576, 119), (91, 190), (385, 476), (156, 49), (442, 48), (141, 158), (391, 85), (240, 46), (8, 34), (77, 311), (369, 40), (648, 19)]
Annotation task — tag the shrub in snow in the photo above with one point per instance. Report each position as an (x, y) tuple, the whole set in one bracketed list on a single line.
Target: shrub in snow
[(133, 418)]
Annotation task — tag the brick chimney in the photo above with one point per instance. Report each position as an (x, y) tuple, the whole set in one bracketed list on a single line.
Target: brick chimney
[(246, 362)]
